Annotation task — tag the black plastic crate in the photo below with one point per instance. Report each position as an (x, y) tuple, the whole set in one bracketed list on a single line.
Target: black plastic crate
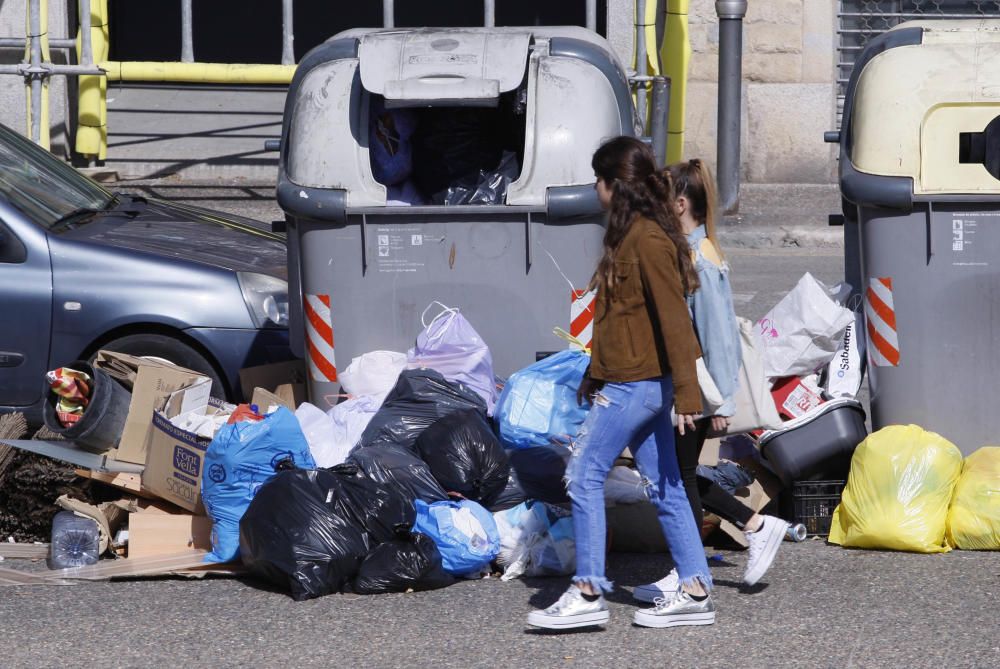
[(814, 503)]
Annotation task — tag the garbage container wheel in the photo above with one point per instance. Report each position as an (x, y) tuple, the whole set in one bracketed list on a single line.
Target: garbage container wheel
[(172, 350)]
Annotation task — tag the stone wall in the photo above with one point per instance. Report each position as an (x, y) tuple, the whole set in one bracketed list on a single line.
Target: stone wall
[(789, 94)]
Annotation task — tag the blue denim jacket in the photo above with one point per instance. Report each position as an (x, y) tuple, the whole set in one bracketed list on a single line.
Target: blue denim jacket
[(715, 323)]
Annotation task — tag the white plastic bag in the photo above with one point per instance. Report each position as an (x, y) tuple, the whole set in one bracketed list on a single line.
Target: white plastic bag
[(373, 373), (846, 371), (350, 418), (536, 539), (802, 332), (318, 428)]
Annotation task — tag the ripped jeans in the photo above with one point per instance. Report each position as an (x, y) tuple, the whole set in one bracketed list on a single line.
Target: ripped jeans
[(632, 415)]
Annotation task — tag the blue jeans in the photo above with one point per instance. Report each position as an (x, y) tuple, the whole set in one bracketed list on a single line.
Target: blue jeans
[(636, 416)]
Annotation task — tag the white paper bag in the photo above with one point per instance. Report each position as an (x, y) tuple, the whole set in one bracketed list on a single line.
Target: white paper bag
[(802, 332), (846, 371)]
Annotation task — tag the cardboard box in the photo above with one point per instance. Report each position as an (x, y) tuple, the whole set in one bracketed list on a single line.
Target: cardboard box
[(158, 533), (285, 379), (152, 384), (175, 456)]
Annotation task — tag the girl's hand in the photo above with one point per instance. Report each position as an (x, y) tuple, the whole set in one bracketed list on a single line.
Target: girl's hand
[(588, 388), (720, 424), (685, 420)]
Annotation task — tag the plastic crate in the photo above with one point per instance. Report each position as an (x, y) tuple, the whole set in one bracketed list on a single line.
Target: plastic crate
[(814, 503)]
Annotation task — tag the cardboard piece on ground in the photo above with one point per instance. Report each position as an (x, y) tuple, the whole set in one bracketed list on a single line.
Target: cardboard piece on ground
[(270, 377), (156, 533), (154, 382), (23, 551), (130, 483), (159, 529)]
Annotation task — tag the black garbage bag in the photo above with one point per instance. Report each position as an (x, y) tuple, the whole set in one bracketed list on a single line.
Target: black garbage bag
[(294, 535), (401, 472), (419, 399), (541, 471), (512, 494), (410, 562), (374, 507), (465, 456)]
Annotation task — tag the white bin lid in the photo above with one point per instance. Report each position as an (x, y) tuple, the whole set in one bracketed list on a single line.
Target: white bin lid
[(462, 65)]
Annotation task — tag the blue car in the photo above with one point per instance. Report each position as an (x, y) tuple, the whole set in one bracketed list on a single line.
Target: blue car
[(83, 269)]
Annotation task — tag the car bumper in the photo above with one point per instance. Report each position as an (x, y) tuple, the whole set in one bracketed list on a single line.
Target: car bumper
[(236, 349)]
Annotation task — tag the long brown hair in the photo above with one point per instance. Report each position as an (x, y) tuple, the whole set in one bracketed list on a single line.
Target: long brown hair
[(627, 166), (694, 181)]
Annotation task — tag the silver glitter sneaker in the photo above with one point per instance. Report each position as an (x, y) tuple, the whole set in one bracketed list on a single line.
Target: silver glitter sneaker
[(572, 610), (665, 587), (676, 610)]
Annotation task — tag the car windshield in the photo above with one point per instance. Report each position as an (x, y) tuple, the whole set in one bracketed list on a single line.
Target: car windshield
[(40, 185)]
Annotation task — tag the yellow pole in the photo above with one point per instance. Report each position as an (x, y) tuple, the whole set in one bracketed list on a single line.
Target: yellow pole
[(676, 54), (199, 73), (92, 128), (46, 138)]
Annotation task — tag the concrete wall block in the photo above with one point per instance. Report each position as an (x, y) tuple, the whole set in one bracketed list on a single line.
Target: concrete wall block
[(783, 12), (819, 41), (771, 38), (785, 133), (701, 131), (772, 67)]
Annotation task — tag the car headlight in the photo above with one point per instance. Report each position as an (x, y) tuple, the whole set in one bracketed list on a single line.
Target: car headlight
[(267, 299)]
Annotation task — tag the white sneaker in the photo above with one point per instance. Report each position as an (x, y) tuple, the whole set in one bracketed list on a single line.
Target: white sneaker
[(665, 587), (764, 545)]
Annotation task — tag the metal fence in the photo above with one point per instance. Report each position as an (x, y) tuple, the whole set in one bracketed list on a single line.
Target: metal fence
[(861, 20)]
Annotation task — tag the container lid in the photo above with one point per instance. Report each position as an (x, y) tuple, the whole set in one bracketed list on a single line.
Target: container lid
[(456, 66), (809, 417), (919, 108)]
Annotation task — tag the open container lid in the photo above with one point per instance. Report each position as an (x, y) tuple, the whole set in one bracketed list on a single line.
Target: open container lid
[(464, 66)]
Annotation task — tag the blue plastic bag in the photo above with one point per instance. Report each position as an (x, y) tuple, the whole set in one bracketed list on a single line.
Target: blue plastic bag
[(465, 533), (241, 458), (538, 404)]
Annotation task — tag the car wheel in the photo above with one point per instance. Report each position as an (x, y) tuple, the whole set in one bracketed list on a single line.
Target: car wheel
[(172, 350)]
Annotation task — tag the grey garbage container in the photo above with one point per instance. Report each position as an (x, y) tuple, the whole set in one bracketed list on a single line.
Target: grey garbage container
[(920, 177), (365, 268)]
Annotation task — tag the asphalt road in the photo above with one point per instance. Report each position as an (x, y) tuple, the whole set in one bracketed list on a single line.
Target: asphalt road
[(819, 606)]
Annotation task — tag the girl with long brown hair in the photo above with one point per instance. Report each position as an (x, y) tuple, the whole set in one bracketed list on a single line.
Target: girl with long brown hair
[(643, 363)]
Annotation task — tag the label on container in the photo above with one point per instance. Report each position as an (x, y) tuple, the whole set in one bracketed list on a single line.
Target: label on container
[(398, 248)]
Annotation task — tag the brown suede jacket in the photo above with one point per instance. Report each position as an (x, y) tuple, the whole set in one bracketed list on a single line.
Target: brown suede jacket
[(643, 329)]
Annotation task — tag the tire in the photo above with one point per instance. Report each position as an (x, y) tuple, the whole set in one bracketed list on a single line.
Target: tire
[(172, 350)]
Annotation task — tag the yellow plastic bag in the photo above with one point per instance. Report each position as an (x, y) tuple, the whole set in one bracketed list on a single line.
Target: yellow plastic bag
[(974, 517), (898, 492)]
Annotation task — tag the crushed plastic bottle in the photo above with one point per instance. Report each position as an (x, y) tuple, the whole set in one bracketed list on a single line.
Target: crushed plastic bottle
[(75, 541)]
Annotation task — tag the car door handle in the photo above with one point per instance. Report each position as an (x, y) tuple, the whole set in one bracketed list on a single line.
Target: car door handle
[(9, 359)]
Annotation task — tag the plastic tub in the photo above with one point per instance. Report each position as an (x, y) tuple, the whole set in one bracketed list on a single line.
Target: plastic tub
[(103, 421), (818, 443)]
